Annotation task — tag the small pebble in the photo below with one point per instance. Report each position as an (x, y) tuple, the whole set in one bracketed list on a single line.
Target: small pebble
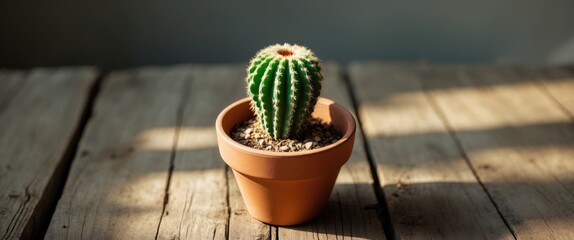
[(308, 145), (317, 139), (249, 130), (284, 148)]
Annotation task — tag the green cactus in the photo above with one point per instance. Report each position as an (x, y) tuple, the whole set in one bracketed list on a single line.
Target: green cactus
[(284, 83)]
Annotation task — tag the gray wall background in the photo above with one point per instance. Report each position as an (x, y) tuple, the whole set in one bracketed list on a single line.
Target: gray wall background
[(125, 33)]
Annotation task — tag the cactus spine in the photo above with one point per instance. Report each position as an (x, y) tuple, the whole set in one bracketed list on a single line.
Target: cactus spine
[(284, 83)]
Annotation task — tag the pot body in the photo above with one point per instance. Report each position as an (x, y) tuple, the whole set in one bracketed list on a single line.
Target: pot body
[(285, 188), (285, 202)]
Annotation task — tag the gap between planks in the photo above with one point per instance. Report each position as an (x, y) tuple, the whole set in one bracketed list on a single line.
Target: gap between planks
[(451, 132), (506, 101), (401, 157), (62, 172), (118, 173), (42, 193), (178, 124), (382, 205)]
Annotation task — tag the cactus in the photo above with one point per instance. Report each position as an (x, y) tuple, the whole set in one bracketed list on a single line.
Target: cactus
[(284, 83)]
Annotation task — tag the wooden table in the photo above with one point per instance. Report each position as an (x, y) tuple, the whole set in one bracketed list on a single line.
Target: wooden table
[(448, 151)]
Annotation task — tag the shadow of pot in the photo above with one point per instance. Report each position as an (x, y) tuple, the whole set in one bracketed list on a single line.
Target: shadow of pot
[(285, 188)]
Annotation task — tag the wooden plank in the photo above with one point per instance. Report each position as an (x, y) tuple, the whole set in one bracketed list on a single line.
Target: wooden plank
[(430, 189), (559, 82), (11, 82), (39, 117), (203, 198), (241, 224), (351, 212), (117, 182), (520, 142)]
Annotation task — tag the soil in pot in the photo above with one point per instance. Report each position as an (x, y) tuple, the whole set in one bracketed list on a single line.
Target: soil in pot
[(316, 135)]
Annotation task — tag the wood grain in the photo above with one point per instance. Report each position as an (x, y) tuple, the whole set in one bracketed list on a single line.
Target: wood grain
[(559, 82), (430, 189), (520, 142), (117, 182), (352, 209), (11, 82), (39, 116)]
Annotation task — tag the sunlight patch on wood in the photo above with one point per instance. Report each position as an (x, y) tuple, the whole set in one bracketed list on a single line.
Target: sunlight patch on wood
[(139, 193), (189, 138), (378, 122), (347, 176)]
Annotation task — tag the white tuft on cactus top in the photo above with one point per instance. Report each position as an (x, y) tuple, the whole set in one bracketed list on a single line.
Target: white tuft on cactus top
[(289, 51)]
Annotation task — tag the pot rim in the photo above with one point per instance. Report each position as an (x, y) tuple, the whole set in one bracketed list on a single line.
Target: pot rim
[(349, 120)]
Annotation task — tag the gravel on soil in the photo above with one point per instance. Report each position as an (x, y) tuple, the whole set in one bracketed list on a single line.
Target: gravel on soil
[(317, 134)]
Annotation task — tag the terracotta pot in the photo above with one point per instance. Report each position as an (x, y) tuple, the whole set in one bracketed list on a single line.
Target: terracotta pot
[(285, 188)]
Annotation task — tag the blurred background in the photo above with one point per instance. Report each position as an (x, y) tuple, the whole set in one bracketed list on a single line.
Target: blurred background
[(125, 33)]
